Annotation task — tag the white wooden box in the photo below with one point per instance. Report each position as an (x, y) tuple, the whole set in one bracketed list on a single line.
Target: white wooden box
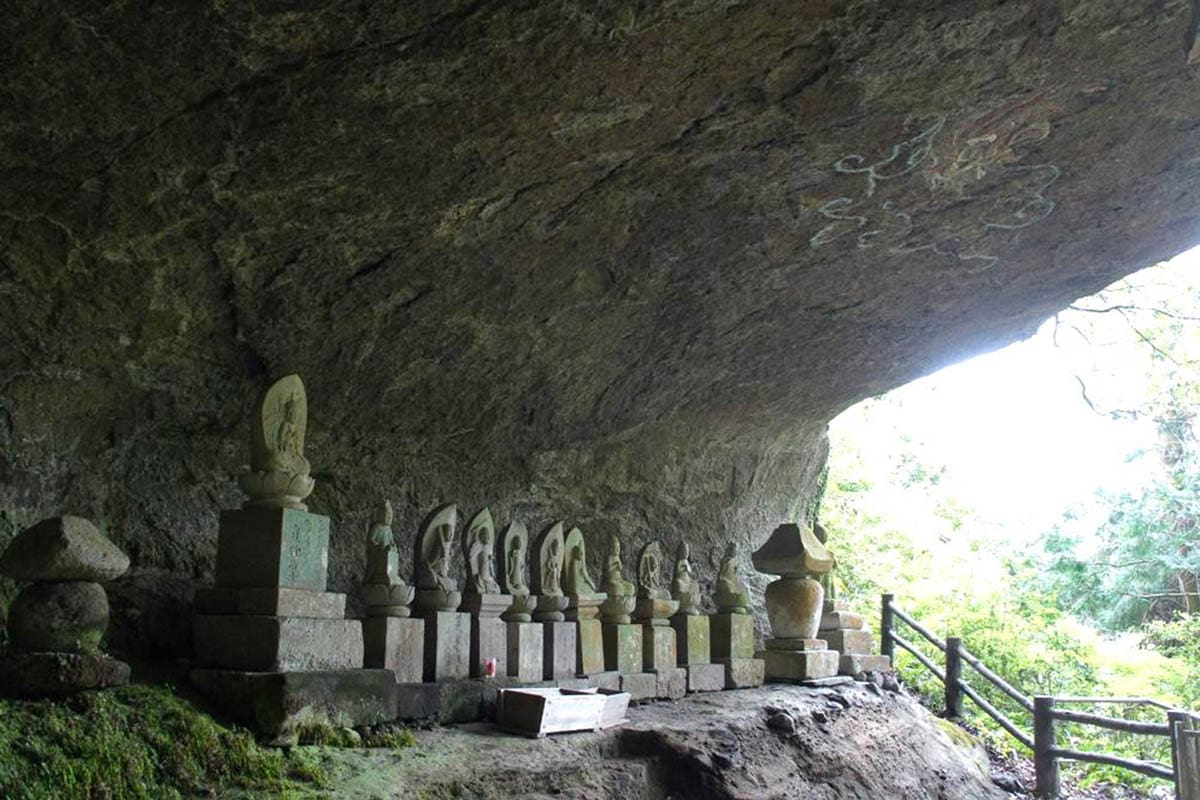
[(537, 712)]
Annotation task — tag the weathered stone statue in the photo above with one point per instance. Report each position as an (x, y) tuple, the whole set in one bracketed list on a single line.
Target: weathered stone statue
[(436, 589), (583, 605), (683, 585), (622, 594), (654, 601), (514, 546), (279, 473), (383, 591), (731, 595), (547, 576), (480, 544), (576, 579)]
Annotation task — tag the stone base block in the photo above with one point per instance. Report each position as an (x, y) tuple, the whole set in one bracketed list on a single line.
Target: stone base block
[(658, 647), (272, 547), (446, 702), (395, 643), (271, 602), (692, 639), (277, 644), (744, 673), (447, 645), (705, 677), (277, 702), (855, 663), (840, 620), (855, 642), (559, 650), (832, 606), (796, 644), (525, 651), (799, 665), (489, 639), (605, 680), (589, 650), (640, 685), (622, 648), (732, 636), (33, 674), (671, 682)]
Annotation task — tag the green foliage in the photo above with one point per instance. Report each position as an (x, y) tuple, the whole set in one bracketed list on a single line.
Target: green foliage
[(1179, 638), (135, 742)]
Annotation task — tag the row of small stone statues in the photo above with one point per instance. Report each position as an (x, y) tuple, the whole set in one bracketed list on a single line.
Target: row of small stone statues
[(559, 587)]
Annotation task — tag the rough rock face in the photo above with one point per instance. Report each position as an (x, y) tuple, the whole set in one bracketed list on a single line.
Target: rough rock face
[(617, 262), (846, 742)]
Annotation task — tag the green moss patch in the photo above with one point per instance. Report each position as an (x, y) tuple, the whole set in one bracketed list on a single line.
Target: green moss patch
[(138, 742)]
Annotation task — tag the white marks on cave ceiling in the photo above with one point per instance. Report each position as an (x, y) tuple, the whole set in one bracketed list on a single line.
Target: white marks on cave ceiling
[(955, 190)]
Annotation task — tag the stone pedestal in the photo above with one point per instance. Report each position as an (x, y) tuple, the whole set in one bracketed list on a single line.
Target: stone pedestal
[(395, 643), (559, 650), (35, 674), (744, 673), (272, 548), (622, 648), (731, 636), (272, 601), (489, 633), (447, 645), (526, 651), (277, 644), (705, 677), (658, 647), (798, 660), (589, 647), (640, 685), (692, 639), (848, 634), (670, 682)]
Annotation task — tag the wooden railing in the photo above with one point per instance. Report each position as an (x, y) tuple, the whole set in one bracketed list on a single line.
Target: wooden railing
[(1182, 727)]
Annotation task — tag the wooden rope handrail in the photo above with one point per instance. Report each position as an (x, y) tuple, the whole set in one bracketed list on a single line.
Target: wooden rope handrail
[(1145, 701), (997, 715), (919, 628), (997, 681), (1154, 769), (917, 654)]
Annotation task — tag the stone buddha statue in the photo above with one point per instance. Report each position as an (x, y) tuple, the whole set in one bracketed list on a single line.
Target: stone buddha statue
[(731, 595), (279, 472), (683, 585), (383, 591)]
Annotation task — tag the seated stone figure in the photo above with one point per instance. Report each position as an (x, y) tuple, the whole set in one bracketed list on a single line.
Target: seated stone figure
[(683, 585), (615, 584), (383, 591), (731, 595)]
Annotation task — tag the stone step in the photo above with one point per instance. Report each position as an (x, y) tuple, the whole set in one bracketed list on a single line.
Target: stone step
[(855, 663), (796, 644), (277, 644), (836, 605), (799, 665)]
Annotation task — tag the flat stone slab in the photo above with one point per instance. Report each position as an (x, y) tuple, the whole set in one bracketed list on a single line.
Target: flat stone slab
[(658, 647), (732, 636), (34, 674), (832, 606), (857, 663), (396, 644), (641, 686), (605, 680), (671, 682), (275, 702), (857, 642), (796, 644), (277, 644), (705, 677), (840, 620), (272, 547), (744, 673), (836, 680), (799, 665), (63, 549)]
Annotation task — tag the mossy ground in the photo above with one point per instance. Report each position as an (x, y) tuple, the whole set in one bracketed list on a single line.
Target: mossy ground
[(145, 742)]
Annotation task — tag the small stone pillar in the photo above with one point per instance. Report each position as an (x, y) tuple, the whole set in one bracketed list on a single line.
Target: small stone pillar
[(57, 622), (794, 604)]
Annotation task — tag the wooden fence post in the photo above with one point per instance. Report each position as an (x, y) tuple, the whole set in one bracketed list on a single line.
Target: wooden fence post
[(885, 629), (1045, 763), (1184, 756), (954, 704)]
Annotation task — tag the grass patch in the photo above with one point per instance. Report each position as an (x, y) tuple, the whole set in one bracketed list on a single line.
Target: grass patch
[(137, 742)]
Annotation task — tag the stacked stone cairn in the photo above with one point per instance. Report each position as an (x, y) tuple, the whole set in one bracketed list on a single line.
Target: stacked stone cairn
[(392, 639), (559, 637), (692, 630), (57, 622), (583, 608), (653, 610), (795, 603), (847, 633), (269, 632), (525, 638), (732, 627)]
